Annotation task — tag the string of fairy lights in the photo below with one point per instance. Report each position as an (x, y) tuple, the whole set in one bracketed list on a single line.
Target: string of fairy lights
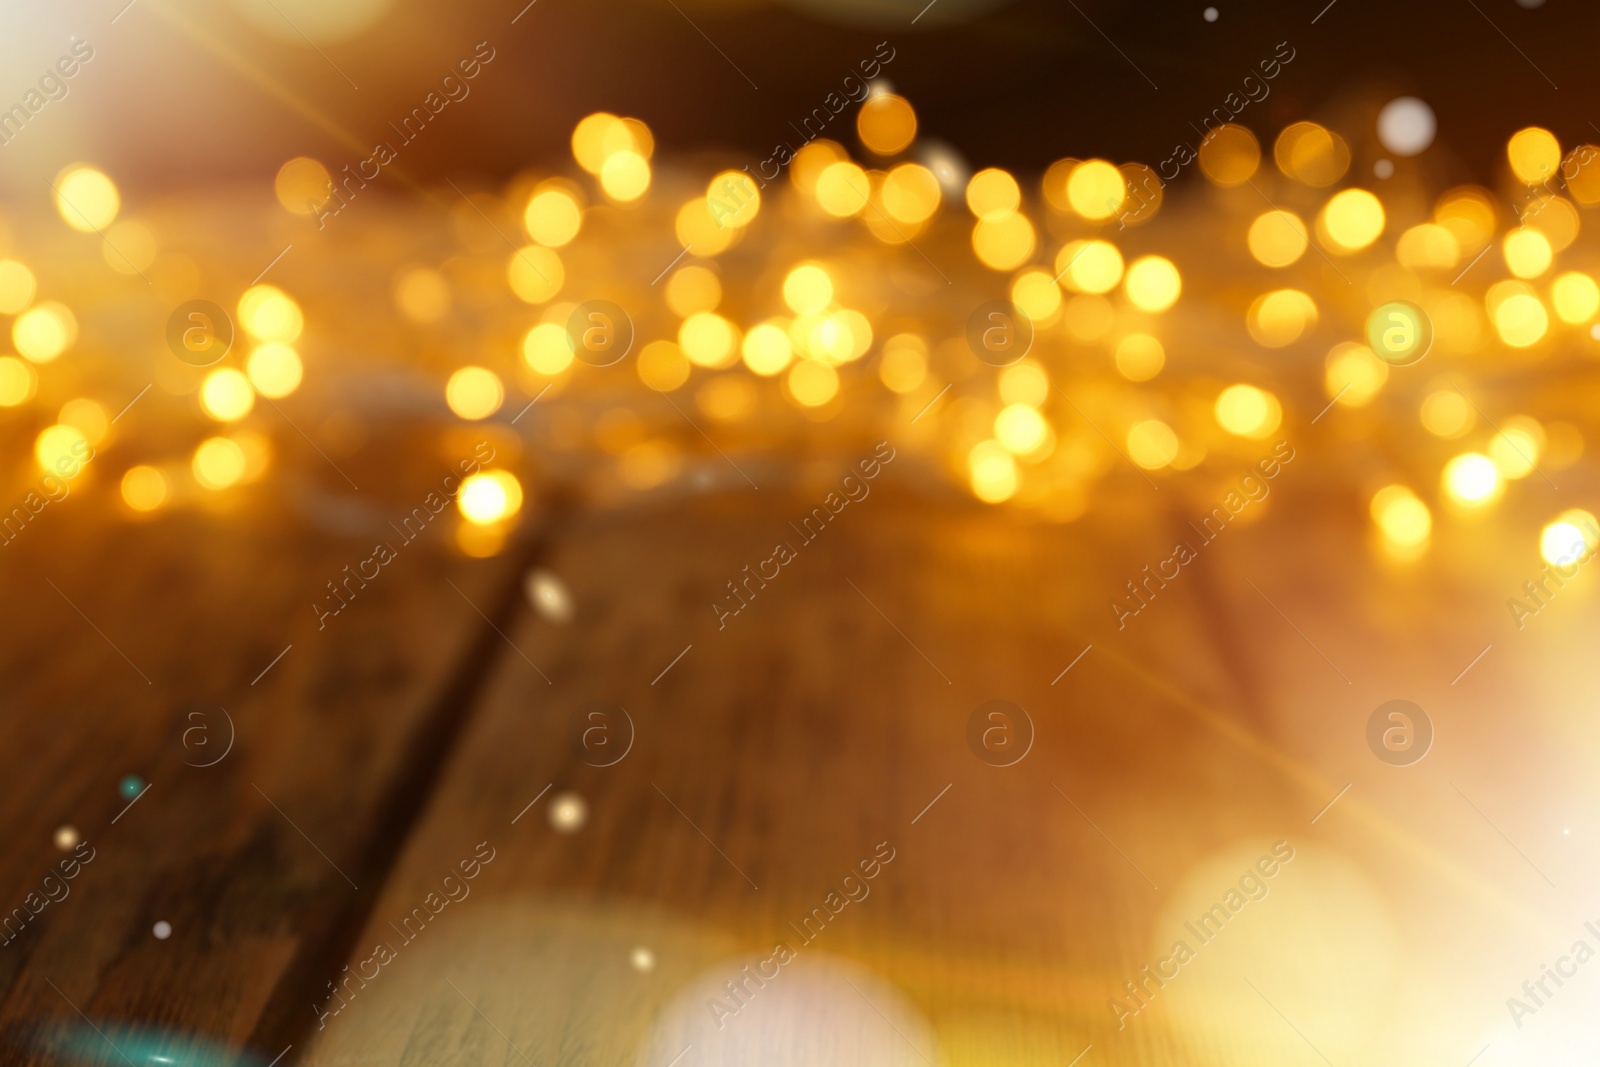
[(835, 295)]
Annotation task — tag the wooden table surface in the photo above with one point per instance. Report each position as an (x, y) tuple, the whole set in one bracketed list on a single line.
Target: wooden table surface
[(744, 778)]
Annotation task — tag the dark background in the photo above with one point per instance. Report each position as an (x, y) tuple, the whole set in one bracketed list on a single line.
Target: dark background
[(1018, 85)]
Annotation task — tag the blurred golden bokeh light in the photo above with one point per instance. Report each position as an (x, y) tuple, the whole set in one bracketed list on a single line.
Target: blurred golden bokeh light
[(474, 393), (1401, 516), (86, 199), (489, 496), (886, 124), (144, 488)]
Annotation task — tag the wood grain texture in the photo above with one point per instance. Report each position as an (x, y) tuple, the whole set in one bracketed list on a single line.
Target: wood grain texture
[(252, 861), (780, 752)]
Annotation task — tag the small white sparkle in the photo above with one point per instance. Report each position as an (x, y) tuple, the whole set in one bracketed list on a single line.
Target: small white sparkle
[(1210, 14), (162, 930)]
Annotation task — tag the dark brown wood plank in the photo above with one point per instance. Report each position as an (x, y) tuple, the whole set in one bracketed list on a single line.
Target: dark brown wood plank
[(118, 631)]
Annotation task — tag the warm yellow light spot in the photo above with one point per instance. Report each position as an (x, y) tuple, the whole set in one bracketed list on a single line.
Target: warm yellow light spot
[(480, 542), (766, 349), (801, 329), (1054, 183), (218, 463), (489, 496), (16, 286), (144, 488), (733, 198), (708, 339), (1230, 155), (86, 198), (1004, 243), (1527, 253), (1351, 220), (993, 471), (1353, 374), (993, 194), (422, 295), (1576, 297), (886, 124), (535, 273), (129, 247), (814, 158), (842, 189), (547, 349), (226, 395), (1279, 318), (904, 363), (1402, 518), (1277, 238), (1428, 247), (1534, 154), (303, 185), (699, 232), (1089, 266), (1152, 444), (693, 289), (42, 333), (1025, 383), (597, 138), (1245, 411), (649, 464), (275, 370), (910, 193), (1554, 217), (86, 417), (267, 313), (1311, 154), (807, 289), (727, 397), (1020, 429), (831, 339), (640, 138), (663, 366), (1516, 449), (625, 176), (1472, 479), (1446, 413), (1520, 320), (474, 393), (1036, 294), (17, 381), (1469, 213), (61, 448), (858, 328), (1152, 283), (1573, 535), (813, 383), (552, 217), (1144, 196), (1096, 189), (1140, 357)]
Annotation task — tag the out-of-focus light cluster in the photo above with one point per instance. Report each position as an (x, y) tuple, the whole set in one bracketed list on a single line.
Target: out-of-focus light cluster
[(836, 309)]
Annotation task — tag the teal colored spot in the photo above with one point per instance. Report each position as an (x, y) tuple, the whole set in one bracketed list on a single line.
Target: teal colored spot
[(122, 1044), (130, 786)]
